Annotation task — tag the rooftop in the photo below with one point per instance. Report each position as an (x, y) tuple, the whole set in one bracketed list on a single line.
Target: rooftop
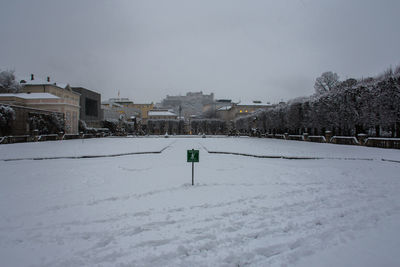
[(254, 103), (31, 96), (225, 108), (161, 113), (35, 81)]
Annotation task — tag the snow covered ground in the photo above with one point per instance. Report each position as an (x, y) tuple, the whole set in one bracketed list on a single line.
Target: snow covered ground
[(342, 209)]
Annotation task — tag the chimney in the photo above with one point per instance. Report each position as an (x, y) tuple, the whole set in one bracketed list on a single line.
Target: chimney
[(48, 79), (32, 77)]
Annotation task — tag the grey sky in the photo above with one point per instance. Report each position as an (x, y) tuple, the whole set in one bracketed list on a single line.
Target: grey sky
[(266, 50)]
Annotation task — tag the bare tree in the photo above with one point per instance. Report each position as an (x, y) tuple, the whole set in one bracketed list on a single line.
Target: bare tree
[(326, 82), (8, 84)]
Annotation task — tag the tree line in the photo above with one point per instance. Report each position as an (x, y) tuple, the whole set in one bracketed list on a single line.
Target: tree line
[(350, 107)]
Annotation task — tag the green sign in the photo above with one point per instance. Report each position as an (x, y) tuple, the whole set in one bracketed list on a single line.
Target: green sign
[(192, 155)]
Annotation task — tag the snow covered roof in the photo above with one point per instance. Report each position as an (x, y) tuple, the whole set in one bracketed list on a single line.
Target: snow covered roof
[(161, 113), (120, 100), (28, 81), (225, 108), (114, 104), (31, 96), (253, 104)]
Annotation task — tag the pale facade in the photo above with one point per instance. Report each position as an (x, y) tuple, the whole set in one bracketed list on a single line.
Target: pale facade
[(68, 104), (126, 106), (188, 105), (144, 109)]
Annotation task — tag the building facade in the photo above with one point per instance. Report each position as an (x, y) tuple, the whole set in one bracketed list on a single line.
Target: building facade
[(68, 104), (127, 108), (188, 105), (90, 106), (26, 106), (144, 109)]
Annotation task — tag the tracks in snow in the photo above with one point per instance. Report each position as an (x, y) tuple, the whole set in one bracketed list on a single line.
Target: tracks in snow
[(206, 149), (291, 223), (92, 156), (291, 157)]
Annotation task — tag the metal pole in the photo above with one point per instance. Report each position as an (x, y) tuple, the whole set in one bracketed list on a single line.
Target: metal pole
[(192, 173)]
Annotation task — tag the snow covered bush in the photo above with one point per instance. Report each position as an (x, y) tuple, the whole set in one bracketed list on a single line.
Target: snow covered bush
[(46, 123), (118, 127), (129, 126), (170, 126), (7, 116), (82, 127), (112, 125), (208, 126)]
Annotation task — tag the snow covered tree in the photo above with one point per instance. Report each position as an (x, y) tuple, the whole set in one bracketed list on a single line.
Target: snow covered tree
[(397, 71), (326, 82), (8, 84), (370, 105)]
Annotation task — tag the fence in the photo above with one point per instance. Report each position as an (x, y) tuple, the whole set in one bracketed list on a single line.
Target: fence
[(361, 139), (383, 142), (48, 137), (342, 140)]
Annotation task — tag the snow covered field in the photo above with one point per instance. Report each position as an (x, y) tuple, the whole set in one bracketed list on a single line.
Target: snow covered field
[(342, 209)]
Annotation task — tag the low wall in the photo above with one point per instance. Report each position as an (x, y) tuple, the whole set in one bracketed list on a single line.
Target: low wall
[(279, 136), (383, 142), (48, 137), (295, 137), (362, 140), (344, 140), (317, 138)]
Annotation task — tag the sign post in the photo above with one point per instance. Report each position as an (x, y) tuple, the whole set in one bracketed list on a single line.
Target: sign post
[(193, 156)]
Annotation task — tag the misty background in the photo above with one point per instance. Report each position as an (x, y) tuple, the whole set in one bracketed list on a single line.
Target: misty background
[(242, 50)]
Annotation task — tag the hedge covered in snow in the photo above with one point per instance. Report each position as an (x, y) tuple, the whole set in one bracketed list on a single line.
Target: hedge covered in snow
[(46, 123), (370, 106)]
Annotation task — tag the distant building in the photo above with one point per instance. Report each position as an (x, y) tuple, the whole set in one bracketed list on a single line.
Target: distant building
[(115, 111), (190, 104), (69, 100), (210, 109), (144, 109), (90, 106), (124, 102), (235, 110), (114, 107)]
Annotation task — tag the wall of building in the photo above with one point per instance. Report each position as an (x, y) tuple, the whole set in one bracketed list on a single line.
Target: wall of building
[(70, 101), (144, 109), (191, 104), (115, 113), (90, 105), (20, 126)]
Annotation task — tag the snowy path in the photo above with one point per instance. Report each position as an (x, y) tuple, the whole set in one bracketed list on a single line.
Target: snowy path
[(140, 210)]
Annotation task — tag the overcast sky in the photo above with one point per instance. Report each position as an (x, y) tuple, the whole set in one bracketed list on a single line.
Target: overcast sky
[(242, 50)]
